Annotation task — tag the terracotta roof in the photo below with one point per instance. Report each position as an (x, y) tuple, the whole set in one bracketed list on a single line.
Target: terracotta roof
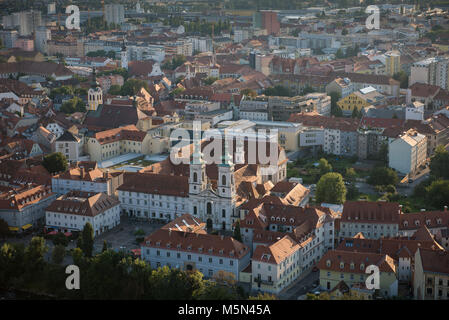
[(430, 219), (19, 198), (340, 261), (434, 261), (313, 120), (277, 252), (129, 132), (39, 68), (372, 212), (171, 185), (186, 223), (424, 90), (83, 203), (197, 243)]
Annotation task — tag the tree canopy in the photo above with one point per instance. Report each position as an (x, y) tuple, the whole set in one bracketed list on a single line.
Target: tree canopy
[(331, 189), (55, 162), (439, 163), (382, 176)]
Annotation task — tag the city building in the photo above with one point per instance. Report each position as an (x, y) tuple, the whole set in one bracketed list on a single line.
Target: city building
[(431, 275), (373, 219), (71, 212), (71, 145), (114, 13), (23, 207), (408, 152), (392, 62), (212, 255), (86, 176), (275, 266), (350, 267)]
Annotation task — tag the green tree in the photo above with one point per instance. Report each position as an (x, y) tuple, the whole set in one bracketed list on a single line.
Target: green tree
[(438, 193), (439, 163), (34, 256), (210, 80), (132, 86), (87, 236), (60, 239), (278, 91), (105, 246), (402, 77), (115, 90), (350, 174), (382, 176), (335, 109), (55, 162), (4, 229), (76, 104), (324, 166), (383, 153), (58, 254), (331, 189), (237, 235), (339, 54), (264, 296)]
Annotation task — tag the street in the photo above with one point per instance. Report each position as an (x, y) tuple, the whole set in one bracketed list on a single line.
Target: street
[(301, 287)]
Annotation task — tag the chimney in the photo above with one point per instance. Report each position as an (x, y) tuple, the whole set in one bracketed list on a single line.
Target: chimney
[(169, 232), (222, 237), (445, 208)]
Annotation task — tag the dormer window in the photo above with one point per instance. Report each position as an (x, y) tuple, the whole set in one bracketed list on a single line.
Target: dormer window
[(362, 266), (278, 219), (283, 219), (328, 263), (292, 220), (417, 222), (342, 265), (405, 223), (352, 266), (273, 218), (428, 222), (439, 221)]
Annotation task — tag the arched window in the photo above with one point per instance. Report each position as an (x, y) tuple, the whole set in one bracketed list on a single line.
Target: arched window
[(195, 177), (223, 180), (209, 208)]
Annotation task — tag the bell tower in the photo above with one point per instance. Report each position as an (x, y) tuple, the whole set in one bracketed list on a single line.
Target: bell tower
[(95, 94), (226, 185), (197, 180)]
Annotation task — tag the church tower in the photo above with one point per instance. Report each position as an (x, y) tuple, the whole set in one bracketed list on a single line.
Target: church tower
[(95, 94), (197, 180), (240, 151), (226, 185), (124, 57)]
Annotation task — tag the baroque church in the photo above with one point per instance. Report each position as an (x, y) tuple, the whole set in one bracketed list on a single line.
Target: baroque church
[(211, 192)]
